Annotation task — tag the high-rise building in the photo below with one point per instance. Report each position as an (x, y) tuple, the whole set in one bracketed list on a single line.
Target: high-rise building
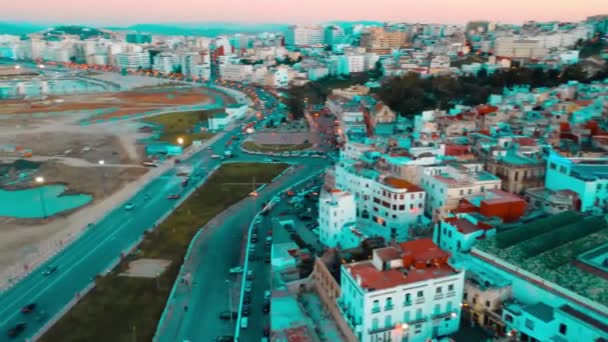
[(188, 61), (133, 60), (378, 38), (333, 35), (139, 38), (300, 35), (515, 47), (165, 62)]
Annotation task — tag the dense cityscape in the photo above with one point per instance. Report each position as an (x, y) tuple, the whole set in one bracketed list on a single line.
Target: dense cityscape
[(348, 181)]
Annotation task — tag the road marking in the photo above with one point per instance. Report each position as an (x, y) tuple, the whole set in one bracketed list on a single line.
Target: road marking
[(62, 274)]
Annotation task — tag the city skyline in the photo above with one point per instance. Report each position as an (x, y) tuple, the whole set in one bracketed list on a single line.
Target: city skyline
[(117, 12)]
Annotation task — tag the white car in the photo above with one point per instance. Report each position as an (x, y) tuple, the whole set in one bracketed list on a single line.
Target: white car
[(267, 160), (129, 206)]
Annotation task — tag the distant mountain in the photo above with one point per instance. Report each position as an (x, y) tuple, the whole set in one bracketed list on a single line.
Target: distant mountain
[(82, 31), (211, 29), (18, 29)]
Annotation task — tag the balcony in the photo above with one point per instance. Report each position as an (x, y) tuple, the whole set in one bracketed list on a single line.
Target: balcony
[(442, 315), (389, 307), (450, 294), (408, 303), (376, 310), (438, 296), (420, 300), (380, 330), (417, 321)]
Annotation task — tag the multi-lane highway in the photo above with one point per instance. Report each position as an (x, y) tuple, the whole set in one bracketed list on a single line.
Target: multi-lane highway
[(99, 246)]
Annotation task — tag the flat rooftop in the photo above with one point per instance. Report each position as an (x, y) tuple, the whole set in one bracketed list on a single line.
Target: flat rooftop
[(373, 279), (402, 184), (550, 248)]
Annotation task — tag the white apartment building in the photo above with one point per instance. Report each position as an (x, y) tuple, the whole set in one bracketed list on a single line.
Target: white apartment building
[(407, 292), (132, 60), (516, 47), (235, 72), (447, 185), (188, 61), (337, 210), (278, 78), (389, 205), (300, 35), (165, 62), (356, 62), (202, 71), (371, 59), (458, 234)]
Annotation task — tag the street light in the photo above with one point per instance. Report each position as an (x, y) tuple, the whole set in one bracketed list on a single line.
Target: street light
[(103, 177), (40, 181), (180, 140)]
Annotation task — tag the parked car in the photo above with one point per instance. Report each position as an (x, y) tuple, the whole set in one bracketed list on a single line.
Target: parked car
[(174, 196), (129, 206), (250, 275), (246, 310), (224, 339), (228, 315), (236, 270)]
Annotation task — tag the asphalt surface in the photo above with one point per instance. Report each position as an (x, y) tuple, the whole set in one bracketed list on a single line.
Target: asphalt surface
[(212, 288), (102, 244)]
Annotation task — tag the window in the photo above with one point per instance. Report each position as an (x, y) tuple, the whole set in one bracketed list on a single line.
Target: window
[(418, 313), (437, 309), (374, 324), (451, 287), (411, 206), (461, 192), (474, 300), (509, 318), (420, 294), (376, 306), (529, 324), (470, 191), (388, 321), (402, 196), (406, 316), (487, 303), (438, 289), (408, 299), (402, 207), (563, 328), (389, 303), (464, 295), (448, 307)]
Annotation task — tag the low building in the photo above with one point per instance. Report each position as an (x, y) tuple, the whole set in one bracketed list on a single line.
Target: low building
[(337, 209), (459, 233), (407, 292)]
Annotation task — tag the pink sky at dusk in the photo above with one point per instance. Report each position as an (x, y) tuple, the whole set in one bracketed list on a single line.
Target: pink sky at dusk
[(122, 12)]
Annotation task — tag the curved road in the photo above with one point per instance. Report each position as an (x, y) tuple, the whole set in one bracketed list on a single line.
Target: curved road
[(100, 246)]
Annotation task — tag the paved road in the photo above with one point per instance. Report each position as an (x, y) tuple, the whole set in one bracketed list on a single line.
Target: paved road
[(220, 248), (98, 247)]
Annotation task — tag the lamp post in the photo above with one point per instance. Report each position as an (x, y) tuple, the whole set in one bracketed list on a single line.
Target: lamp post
[(40, 181), (180, 141), (103, 177)]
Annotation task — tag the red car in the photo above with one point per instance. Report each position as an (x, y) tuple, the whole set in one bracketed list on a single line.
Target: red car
[(174, 196)]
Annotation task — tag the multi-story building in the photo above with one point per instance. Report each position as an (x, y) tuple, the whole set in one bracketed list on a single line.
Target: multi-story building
[(278, 78), (165, 62), (139, 38), (388, 204), (407, 292), (188, 61), (447, 185), (587, 177), (459, 233), (235, 72), (337, 210), (378, 38), (301, 35), (356, 63), (518, 171), (516, 47), (333, 35), (132, 60)]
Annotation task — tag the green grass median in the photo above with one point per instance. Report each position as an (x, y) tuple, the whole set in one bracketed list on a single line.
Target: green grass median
[(182, 125), (251, 146), (128, 309)]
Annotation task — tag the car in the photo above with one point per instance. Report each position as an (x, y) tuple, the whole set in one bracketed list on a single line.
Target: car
[(174, 196), (50, 270), (224, 339), (250, 275), (254, 238), (266, 308), (228, 315), (129, 206), (28, 308), (17, 329), (236, 270), (246, 310), (247, 298)]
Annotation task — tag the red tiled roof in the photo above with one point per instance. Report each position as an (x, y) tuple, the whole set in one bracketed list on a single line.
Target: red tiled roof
[(526, 141), (399, 183), (372, 278), (464, 226), (486, 109), (423, 249), (388, 253)]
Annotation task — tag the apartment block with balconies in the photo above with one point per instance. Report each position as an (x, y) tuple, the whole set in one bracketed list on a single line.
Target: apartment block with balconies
[(407, 292)]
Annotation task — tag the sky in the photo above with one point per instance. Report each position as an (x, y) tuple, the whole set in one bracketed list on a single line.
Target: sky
[(125, 12)]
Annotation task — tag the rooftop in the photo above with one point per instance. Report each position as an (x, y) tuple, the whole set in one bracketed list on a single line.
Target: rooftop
[(550, 247), (416, 260), (399, 183), (541, 311)]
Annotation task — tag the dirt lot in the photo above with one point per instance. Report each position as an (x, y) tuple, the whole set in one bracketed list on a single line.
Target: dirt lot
[(128, 101), (90, 147), (23, 237)]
